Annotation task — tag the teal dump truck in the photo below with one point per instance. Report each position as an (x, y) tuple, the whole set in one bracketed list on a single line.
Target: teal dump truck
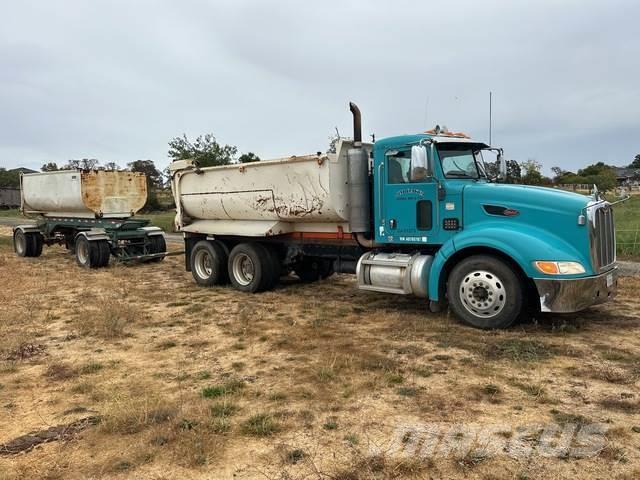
[(91, 213), (410, 215)]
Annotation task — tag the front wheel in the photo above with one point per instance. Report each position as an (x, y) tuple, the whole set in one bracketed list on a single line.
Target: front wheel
[(485, 292)]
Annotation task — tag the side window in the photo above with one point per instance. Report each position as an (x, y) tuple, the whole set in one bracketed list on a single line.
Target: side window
[(398, 167)]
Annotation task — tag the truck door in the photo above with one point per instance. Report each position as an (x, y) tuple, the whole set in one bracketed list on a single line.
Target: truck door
[(408, 200)]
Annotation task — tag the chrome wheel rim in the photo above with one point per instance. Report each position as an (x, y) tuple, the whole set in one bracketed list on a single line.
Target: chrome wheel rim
[(82, 250), (483, 294), (243, 269), (203, 264), (21, 243)]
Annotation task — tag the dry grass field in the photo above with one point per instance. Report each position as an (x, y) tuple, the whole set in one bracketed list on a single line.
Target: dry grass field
[(134, 372)]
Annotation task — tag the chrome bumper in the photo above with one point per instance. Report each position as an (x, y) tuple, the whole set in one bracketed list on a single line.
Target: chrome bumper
[(574, 294)]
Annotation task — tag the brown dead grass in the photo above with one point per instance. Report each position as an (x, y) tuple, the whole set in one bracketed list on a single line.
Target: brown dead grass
[(307, 381)]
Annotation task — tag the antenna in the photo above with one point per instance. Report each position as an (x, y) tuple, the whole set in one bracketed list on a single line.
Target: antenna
[(490, 101)]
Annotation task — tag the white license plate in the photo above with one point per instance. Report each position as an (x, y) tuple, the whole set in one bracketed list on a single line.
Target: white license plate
[(609, 280)]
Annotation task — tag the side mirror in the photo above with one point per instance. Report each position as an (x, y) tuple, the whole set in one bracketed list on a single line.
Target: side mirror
[(420, 164), (502, 167)]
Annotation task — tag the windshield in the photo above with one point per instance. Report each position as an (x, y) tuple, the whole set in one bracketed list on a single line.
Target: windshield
[(461, 161)]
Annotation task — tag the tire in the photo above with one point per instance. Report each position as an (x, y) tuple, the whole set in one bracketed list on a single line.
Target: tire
[(157, 244), (312, 269), (88, 253), (36, 243), (274, 269), (249, 267), (104, 253), (485, 292), (21, 244), (326, 269), (208, 262)]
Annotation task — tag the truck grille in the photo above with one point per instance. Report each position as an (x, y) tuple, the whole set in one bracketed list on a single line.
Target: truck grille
[(603, 237)]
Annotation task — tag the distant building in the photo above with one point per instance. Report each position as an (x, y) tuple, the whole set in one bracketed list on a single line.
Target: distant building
[(22, 170), (626, 176)]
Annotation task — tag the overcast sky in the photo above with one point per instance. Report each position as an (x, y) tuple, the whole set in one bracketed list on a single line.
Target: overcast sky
[(116, 80)]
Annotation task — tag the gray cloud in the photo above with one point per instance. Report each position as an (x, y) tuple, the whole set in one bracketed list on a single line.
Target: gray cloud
[(116, 80)]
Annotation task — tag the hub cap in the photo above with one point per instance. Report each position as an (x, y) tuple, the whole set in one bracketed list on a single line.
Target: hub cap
[(243, 269), (82, 250), (21, 243), (483, 294), (203, 264)]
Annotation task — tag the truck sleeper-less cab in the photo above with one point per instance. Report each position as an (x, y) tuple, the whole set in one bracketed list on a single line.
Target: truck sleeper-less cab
[(413, 214)]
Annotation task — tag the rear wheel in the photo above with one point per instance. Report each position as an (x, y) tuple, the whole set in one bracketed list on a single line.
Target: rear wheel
[(89, 254), (21, 246), (157, 244), (249, 267), (312, 269), (274, 269), (485, 292), (208, 263), (36, 243)]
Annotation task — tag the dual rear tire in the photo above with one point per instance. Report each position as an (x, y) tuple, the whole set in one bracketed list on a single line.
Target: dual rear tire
[(92, 253), (27, 244), (249, 267)]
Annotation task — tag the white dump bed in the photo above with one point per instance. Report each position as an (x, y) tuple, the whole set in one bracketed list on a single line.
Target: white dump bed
[(84, 194), (271, 197)]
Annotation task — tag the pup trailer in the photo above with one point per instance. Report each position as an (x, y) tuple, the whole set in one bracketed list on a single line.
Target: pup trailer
[(91, 213), (410, 215)]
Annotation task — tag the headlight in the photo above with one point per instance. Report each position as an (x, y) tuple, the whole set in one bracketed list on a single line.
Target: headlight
[(559, 268)]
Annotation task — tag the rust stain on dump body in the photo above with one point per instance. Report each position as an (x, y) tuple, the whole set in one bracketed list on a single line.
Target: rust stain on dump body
[(114, 192)]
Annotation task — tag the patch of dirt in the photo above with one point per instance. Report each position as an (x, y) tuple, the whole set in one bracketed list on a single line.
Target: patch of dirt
[(306, 381)]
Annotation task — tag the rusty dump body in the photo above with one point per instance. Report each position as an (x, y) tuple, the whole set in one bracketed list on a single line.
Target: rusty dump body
[(84, 194)]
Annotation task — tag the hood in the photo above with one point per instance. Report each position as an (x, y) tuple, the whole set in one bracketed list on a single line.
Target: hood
[(542, 212)]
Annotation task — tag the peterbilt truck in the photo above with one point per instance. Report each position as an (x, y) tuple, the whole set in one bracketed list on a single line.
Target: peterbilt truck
[(91, 212), (410, 215)]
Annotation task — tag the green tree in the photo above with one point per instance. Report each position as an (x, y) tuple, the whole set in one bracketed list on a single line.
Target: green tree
[(50, 167), (636, 162), (154, 181), (205, 150), (600, 174), (514, 172), (248, 158), (9, 178), (84, 164), (531, 174), (111, 166)]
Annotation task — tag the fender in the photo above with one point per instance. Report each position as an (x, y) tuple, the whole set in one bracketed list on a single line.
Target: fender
[(94, 234), (523, 247), (27, 228)]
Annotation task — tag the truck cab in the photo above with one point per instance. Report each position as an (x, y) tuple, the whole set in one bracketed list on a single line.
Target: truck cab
[(494, 250)]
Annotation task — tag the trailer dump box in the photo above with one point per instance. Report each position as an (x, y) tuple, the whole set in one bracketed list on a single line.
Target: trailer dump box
[(84, 194)]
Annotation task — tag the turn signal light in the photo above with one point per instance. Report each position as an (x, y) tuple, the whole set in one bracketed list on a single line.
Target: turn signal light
[(559, 268)]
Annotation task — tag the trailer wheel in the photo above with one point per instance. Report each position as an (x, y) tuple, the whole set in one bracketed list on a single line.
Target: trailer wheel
[(485, 292), (88, 253), (157, 245), (208, 262), (36, 243), (21, 245), (249, 267), (104, 253)]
